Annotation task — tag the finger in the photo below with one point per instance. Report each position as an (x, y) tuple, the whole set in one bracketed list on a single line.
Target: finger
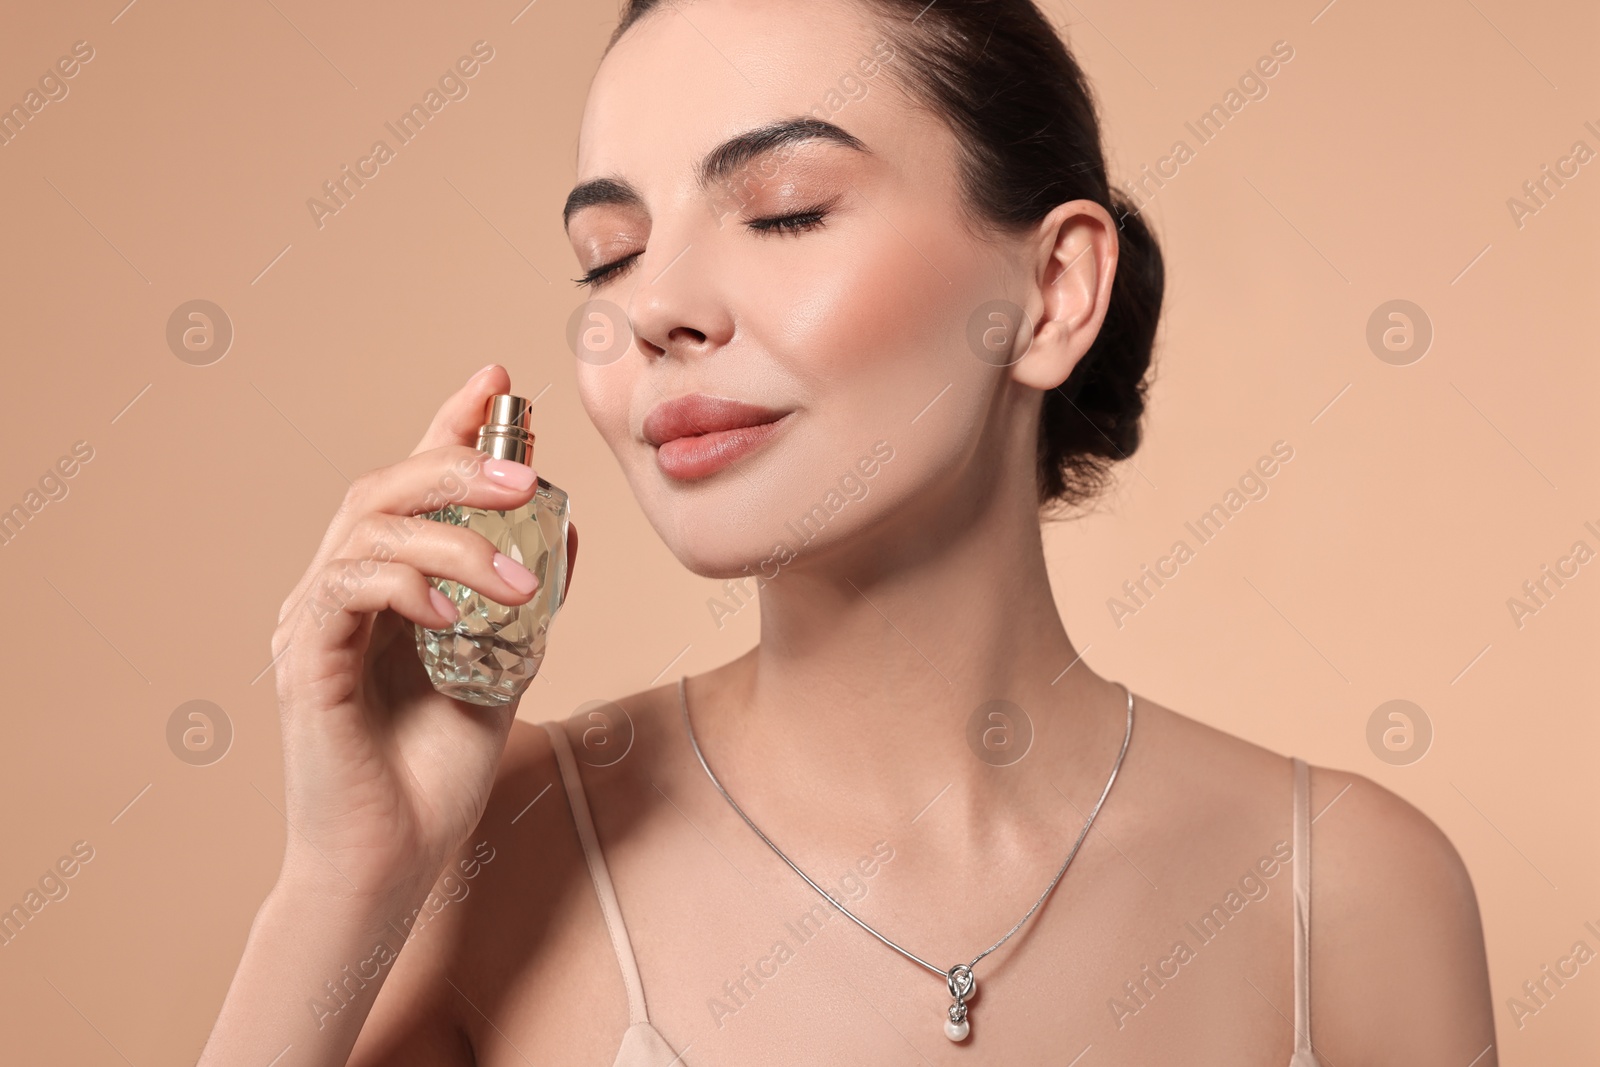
[(572, 558), (452, 474), (459, 418), (455, 423), (345, 591), (441, 550)]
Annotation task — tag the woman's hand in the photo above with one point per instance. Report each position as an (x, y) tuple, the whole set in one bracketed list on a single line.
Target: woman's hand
[(384, 776)]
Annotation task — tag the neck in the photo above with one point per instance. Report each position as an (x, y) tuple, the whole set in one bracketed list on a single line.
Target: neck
[(874, 677)]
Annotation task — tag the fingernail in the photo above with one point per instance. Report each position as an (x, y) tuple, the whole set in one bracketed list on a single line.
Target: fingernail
[(442, 605), (516, 575), (509, 473), (482, 371)]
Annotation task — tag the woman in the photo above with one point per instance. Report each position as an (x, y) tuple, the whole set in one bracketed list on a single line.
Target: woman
[(885, 309)]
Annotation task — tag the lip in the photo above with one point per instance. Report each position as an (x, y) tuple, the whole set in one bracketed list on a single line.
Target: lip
[(697, 435)]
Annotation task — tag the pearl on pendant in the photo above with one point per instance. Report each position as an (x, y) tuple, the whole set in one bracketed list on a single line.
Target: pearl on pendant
[(957, 1031)]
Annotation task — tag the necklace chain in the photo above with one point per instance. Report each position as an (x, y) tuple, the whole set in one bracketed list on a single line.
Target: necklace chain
[(683, 700)]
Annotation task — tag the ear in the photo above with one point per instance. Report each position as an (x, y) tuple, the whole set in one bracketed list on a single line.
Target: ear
[(1075, 261)]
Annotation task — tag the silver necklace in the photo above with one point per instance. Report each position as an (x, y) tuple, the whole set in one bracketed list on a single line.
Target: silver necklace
[(960, 980)]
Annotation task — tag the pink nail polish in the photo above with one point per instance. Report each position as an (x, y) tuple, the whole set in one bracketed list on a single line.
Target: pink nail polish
[(509, 473), (516, 575), (494, 650), (442, 605)]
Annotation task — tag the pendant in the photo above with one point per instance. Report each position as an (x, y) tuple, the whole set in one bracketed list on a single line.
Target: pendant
[(962, 984)]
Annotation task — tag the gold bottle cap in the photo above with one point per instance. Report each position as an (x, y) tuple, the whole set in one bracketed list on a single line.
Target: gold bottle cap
[(505, 433)]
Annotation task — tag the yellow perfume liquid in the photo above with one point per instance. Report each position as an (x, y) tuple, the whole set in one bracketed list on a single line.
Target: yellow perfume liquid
[(491, 653)]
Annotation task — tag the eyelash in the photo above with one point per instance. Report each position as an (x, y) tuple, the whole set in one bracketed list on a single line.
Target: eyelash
[(797, 223)]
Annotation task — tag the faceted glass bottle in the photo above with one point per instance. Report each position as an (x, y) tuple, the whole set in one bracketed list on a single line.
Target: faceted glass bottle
[(491, 653)]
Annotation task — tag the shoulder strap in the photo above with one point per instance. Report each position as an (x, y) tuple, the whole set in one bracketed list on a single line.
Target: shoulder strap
[(598, 872), (1301, 862)]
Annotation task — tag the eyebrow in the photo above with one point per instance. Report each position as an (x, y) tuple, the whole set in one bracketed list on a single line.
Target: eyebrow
[(725, 159)]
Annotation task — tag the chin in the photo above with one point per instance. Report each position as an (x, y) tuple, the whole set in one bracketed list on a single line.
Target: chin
[(723, 560), (727, 531), (735, 528), (789, 505)]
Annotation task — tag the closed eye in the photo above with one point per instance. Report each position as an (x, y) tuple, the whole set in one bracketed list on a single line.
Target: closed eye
[(795, 223), (606, 271), (799, 222)]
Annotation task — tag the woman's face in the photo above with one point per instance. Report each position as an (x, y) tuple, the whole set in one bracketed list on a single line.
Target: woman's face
[(844, 330)]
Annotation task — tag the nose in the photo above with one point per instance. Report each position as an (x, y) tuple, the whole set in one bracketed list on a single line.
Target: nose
[(681, 340), (678, 308)]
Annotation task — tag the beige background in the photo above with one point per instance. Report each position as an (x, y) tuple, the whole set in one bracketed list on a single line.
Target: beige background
[(1419, 499)]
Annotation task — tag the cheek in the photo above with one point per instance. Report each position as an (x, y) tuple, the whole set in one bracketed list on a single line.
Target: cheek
[(604, 392), (878, 332), (877, 337)]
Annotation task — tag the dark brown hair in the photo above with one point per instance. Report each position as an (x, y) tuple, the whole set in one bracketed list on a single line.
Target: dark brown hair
[(1023, 114)]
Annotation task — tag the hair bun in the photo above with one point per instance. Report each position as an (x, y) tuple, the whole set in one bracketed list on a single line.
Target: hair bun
[(1093, 419)]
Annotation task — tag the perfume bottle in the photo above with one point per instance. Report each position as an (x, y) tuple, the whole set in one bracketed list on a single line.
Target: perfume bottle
[(490, 654)]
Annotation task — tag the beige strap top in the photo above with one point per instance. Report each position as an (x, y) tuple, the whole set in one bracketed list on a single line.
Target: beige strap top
[(643, 1045), (1300, 859)]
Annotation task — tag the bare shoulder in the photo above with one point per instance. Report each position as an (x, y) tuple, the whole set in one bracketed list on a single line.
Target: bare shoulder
[(1193, 767), (1394, 921), (1367, 837), (1399, 974), (512, 922)]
